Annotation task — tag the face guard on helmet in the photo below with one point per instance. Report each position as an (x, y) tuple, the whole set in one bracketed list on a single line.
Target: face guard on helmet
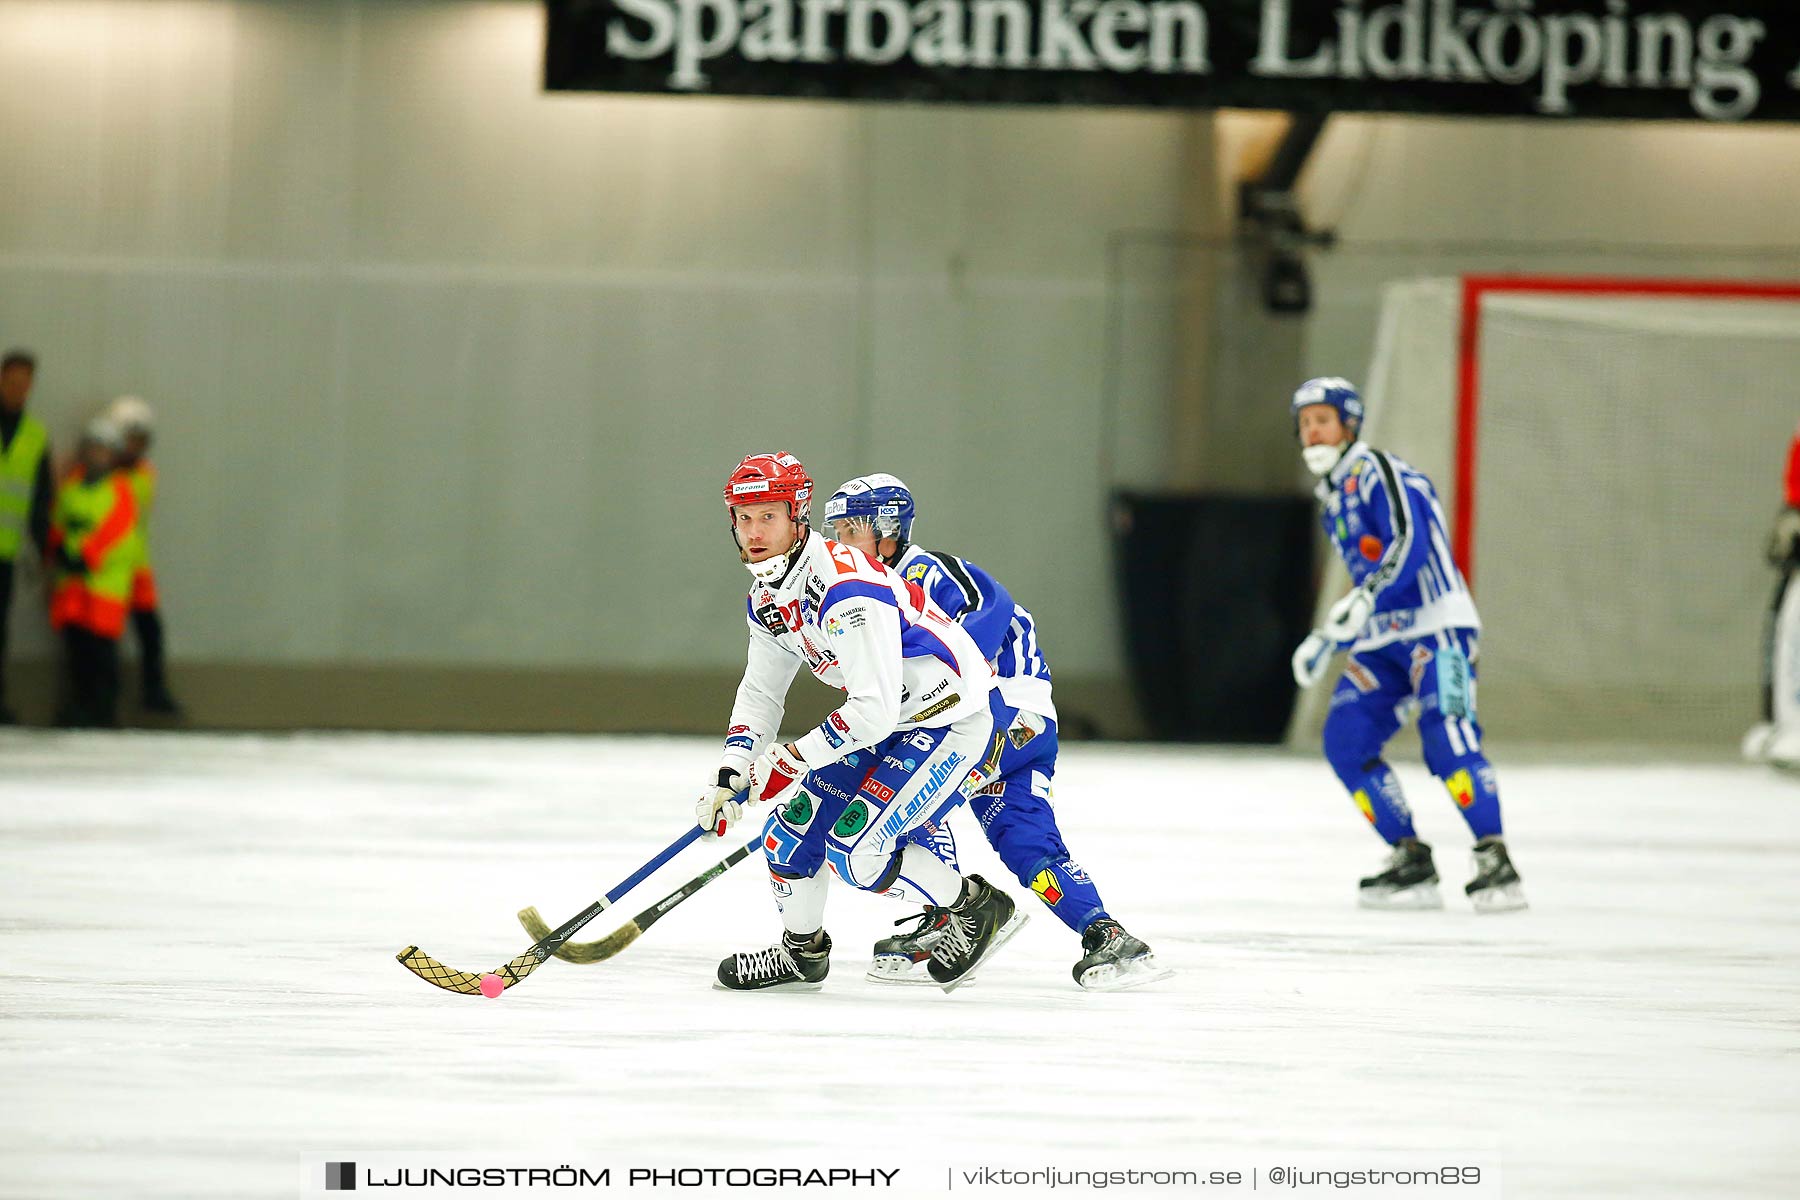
[(879, 503), (768, 479), (1343, 399)]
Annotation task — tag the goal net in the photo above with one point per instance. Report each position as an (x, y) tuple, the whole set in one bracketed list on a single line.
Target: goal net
[(1609, 455)]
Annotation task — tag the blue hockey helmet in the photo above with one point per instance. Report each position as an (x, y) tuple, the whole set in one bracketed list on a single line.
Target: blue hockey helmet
[(1331, 390), (880, 499)]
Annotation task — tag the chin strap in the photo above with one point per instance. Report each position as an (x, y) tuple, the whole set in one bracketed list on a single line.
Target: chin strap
[(773, 571)]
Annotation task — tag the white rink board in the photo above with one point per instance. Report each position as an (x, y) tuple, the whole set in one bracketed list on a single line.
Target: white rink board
[(199, 989)]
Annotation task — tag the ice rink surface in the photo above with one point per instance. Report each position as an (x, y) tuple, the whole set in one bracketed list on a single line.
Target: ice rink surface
[(200, 990)]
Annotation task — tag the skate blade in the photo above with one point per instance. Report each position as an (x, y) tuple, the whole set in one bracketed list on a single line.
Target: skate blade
[(1116, 977), (798, 986), (1505, 898), (897, 968), (1020, 917), (1417, 898)]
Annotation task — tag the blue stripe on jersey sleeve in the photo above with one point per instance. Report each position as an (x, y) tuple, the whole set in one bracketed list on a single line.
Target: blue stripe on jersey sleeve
[(916, 641), (845, 589)]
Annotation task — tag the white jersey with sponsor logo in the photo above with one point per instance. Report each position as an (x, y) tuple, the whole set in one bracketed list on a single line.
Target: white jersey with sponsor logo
[(863, 629)]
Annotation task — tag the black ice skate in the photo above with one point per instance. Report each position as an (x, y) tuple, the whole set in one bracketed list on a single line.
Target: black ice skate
[(1115, 960), (980, 922), (1409, 881), (906, 957), (1495, 888), (788, 965)]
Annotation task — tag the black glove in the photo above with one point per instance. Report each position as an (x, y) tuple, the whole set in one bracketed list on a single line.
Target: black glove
[(71, 559)]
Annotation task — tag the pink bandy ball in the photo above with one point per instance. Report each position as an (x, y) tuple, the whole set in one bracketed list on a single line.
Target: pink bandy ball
[(492, 986)]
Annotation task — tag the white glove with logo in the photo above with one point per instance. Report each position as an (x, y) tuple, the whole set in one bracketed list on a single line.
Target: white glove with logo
[(1347, 617), (1311, 659), (718, 805), (776, 776)]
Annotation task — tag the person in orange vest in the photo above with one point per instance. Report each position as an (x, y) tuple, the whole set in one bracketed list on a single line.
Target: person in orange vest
[(1784, 539), (133, 417), (25, 490), (96, 548), (1776, 738)]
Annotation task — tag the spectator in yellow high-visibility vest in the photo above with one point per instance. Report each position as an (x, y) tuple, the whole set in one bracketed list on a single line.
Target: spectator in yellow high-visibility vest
[(94, 536), (25, 492), (134, 418)]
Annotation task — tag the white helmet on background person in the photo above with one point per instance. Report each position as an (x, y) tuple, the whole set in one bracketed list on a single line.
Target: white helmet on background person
[(103, 430), (132, 414)]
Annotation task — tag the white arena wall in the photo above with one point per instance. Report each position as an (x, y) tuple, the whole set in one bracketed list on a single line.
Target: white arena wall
[(448, 370)]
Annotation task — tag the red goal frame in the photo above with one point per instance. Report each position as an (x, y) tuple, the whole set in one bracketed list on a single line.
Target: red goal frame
[(1468, 364)]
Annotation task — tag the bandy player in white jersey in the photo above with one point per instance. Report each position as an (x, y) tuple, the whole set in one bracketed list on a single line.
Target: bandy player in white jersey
[(915, 736)]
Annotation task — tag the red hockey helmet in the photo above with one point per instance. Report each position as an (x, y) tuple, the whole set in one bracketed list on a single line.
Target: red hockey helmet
[(766, 478)]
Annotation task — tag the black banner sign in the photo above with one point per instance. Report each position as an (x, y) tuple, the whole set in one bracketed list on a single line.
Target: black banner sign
[(1678, 59)]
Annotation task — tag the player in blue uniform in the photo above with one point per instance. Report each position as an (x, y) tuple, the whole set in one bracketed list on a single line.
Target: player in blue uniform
[(874, 513), (1411, 628)]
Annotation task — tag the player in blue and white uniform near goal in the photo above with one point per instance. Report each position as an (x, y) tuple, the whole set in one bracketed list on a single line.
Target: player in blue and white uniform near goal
[(1411, 628), (915, 735), (875, 514)]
